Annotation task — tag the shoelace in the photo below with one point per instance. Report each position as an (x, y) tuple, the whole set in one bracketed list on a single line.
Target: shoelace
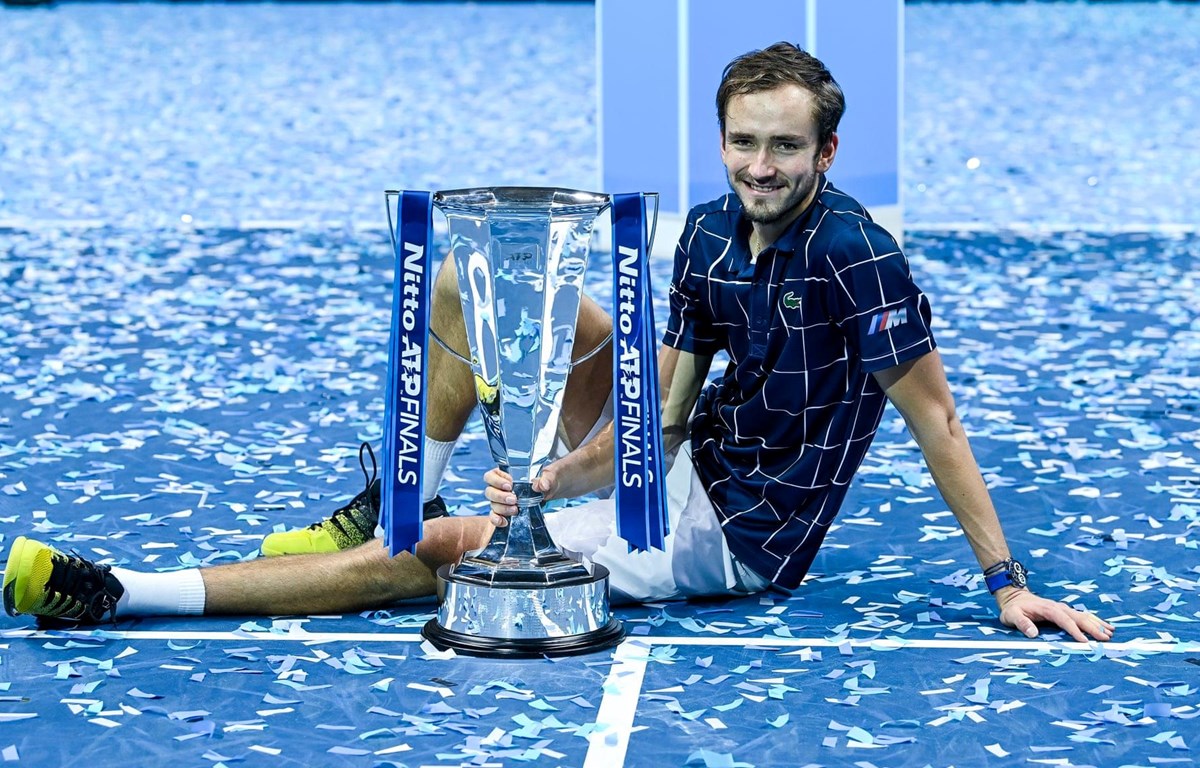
[(340, 515), (70, 574)]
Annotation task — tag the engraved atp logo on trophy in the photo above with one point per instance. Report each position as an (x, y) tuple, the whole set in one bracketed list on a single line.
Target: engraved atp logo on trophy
[(521, 258)]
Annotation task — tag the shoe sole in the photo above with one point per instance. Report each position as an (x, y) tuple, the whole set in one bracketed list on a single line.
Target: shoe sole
[(16, 562)]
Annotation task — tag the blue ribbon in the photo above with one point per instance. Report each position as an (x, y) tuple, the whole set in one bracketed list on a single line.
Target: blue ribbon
[(404, 405), (641, 483)]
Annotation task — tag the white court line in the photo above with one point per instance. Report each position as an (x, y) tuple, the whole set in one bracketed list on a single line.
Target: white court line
[(299, 636), (885, 644), (246, 225), (622, 689), (1053, 227)]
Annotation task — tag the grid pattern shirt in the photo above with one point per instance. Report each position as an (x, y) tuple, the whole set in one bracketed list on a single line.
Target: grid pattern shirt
[(777, 438)]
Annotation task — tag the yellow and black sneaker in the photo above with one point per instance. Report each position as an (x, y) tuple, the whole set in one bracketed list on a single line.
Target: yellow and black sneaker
[(42, 581), (348, 526)]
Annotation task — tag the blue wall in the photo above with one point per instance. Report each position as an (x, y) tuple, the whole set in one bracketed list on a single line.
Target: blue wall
[(660, 63)]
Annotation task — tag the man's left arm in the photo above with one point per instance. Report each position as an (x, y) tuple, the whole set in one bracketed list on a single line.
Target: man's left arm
[(920, 392)]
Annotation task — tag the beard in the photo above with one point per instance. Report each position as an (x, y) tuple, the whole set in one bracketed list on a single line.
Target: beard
[(792, 200)]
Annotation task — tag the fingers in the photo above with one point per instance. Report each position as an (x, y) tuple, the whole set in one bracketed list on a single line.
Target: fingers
[(1097, 627), (1025, 610), (497, 476), (1082, 627), (1080, 624), (1074, 631), (499, 492), (545, 483), (1026, 626)]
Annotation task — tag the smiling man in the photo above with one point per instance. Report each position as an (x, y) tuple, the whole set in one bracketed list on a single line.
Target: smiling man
[(774, 157), (816, 309), (823, 324)]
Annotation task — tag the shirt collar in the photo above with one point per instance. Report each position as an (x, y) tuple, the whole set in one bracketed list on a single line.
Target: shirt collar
[(790, 240)]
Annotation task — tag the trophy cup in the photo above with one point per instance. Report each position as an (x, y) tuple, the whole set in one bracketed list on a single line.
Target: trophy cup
[(520, 255)]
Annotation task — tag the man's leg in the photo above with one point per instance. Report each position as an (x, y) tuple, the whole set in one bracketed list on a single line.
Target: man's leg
[(451, 400), (450, 396), (591, 381), (355, 579), (695, 562), (41, 581)]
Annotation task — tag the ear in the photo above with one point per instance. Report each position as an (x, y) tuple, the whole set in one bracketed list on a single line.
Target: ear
[(827, 153)]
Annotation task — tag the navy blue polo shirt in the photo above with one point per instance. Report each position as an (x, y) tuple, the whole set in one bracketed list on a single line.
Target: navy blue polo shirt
[(778, 437)]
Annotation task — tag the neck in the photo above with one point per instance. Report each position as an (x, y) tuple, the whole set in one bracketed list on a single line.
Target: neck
[(758, 241), (762, 235)]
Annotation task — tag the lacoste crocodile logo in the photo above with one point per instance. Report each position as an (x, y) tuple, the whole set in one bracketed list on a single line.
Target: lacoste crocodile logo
[(791, 301)]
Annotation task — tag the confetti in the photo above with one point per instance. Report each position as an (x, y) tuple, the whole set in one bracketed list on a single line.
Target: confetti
[(181, 378)]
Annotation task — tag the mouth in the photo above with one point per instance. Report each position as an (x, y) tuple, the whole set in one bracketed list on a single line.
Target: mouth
[(763, 189)]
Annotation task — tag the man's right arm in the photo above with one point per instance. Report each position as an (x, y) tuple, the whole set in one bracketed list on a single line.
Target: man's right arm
[(681, 377), (592, 465)]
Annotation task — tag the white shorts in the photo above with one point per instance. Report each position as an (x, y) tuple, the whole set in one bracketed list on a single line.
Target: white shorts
[(696, 561)]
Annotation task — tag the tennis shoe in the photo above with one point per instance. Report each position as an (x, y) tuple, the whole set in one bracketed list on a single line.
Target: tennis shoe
[(40, 580), (348, 526)]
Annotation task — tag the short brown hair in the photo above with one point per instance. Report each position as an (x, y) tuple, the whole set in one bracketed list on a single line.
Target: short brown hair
[(784, 64)]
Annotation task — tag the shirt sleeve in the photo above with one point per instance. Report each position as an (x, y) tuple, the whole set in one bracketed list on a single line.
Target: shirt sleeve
[(690, 323), (882, 313)]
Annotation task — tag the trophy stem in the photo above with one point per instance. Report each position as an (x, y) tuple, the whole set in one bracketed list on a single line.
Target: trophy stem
[(522, 552)]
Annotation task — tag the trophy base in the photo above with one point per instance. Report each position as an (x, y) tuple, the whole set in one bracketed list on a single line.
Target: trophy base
[(523, 620), (529, 648)]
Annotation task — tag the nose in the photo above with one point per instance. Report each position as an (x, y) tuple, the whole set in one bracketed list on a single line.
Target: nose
[(762, 165)]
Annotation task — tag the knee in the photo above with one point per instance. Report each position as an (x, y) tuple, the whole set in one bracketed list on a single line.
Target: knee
[(592, 317), (593, 328), (445, 285), (447, 539)]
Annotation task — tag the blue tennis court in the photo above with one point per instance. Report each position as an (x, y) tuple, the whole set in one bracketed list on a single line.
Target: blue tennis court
[(197, 281)]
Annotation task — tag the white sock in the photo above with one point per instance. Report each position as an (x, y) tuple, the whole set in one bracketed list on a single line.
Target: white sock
[(160, 593), (437, 456)]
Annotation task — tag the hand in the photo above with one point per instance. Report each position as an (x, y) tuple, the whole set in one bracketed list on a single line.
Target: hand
[(499, 492), (1022, 610)]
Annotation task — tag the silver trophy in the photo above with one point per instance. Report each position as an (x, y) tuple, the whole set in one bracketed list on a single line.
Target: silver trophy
[(521, 254)]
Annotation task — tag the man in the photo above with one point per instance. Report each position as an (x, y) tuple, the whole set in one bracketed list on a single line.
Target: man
[(814, 305)]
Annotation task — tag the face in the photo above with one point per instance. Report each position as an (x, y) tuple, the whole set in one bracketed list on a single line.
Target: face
[(771, 154)]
